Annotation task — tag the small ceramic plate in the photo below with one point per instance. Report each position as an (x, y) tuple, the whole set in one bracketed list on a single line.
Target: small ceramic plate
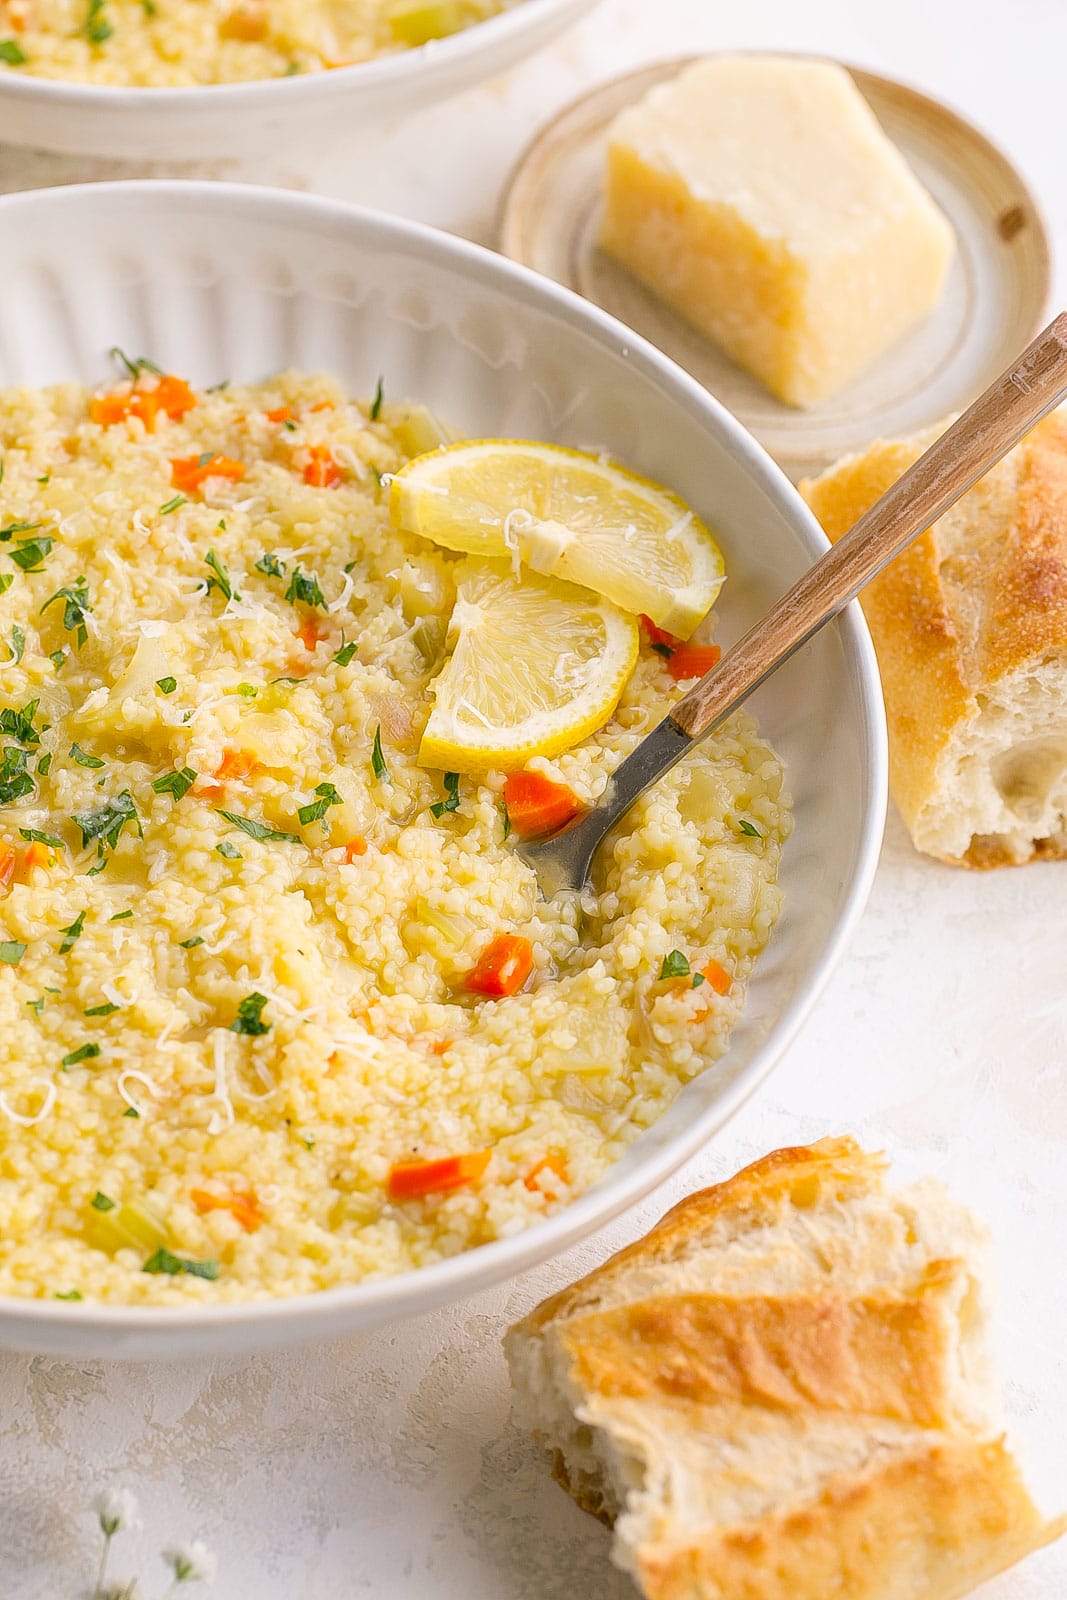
[(994, 301)]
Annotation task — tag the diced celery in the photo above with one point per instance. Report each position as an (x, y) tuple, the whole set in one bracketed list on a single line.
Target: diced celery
[(415, 22), (441, 933), (428, 636), (425, 590), (130, 1226), (415, 428)]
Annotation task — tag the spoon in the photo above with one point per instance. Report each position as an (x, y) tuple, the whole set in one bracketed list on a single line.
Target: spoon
[(987, 430)]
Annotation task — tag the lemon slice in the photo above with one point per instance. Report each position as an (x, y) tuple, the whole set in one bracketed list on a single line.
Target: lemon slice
[(569, 515), (536, 667)]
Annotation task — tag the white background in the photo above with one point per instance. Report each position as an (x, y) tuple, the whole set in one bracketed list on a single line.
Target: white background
[(389, 1466)]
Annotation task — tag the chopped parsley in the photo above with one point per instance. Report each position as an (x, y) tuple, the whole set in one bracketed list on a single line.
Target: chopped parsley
[(247, 691), (15, 781), (19, 724), (505, 817), (104, 1010), (102, 1202), (76, 607), (345, 654), (249, 1018), (6, 580), (44, 763), (71, 1294), (451, 801), (36, 1005), (12, 952), (258, 830), (377, 760), (57, 658), (229, 850), (31, 553), (662, 649), (221, 580), (120, 916), (83, 758), (191, 944), (131, 1111), (72, 934), (376, 403), (35, 836), (17, 527), (317, 809), (674, 966), (304, 586), (271, 565), (163, 1261), (84, 1052), (138, 364), (18, 645), (166, 685), (96, 28), (173, 504), (12, 52), (107, 822), (177, 784), (749, 828)]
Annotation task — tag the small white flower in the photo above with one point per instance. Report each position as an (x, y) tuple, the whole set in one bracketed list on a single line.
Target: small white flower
[(192, 1563), (117, 1509)]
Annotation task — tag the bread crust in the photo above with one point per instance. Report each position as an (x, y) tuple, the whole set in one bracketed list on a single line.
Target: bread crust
[(979, 597), (881, 1354), (760, 1189), (823, 1434), (927, 1526)]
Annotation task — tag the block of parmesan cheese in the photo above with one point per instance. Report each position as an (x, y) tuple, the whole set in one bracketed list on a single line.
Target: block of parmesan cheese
[(759, 196)]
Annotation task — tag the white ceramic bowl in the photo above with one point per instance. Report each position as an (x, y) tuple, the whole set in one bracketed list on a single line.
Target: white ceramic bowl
[(245, 119), (217, 281)]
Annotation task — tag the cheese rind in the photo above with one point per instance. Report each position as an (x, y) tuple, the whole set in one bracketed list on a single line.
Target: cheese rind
[(759, 196)]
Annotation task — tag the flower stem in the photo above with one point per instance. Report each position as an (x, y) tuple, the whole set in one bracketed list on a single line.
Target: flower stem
[(102, 1570)]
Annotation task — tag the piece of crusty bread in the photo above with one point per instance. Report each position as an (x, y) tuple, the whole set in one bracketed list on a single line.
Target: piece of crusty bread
[(783, 1392), (970, 627)]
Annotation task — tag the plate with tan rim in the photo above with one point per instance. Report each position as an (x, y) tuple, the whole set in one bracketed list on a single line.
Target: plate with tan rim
[(995, 299)]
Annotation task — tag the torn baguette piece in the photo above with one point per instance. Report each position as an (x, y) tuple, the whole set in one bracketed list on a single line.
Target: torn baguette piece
[(783, 1392), (970, 628)]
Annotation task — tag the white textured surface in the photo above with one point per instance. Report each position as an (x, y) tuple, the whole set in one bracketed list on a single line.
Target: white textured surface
[(388, 1467)]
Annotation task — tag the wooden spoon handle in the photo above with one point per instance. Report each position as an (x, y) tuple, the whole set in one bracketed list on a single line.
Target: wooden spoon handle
[(987, 430)]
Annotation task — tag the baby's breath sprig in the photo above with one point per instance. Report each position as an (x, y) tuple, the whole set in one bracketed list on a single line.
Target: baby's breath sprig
[(116, 1509)]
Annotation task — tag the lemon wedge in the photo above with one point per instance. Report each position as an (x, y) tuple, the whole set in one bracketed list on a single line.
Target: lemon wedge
[(567, 515), (536, 667)]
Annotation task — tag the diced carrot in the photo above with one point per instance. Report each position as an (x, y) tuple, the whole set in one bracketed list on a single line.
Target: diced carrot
[(658, 636), (174, 396), (717, 976), (324, 405), (356, 846), (439, 1046), (280, 414), (243, 1208), (311, 633), (537, 805), (503, 966), (412, 1180), (170, 395), (190, 473), (7, 863), (549, 1163), (692, 660), (321, 470), (36, 855), (237, 764)]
